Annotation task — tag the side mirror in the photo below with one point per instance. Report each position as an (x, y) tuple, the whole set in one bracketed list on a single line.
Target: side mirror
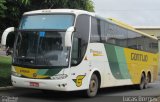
[(68, 36), (5, 34)]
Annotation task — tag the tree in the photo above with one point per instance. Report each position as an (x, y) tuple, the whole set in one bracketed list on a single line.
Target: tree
[(12, 10), (2, 8), (73, 4)]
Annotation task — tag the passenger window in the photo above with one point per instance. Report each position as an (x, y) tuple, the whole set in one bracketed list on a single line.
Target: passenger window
[(95, 30), (140, 43), (110, 34), (151, 45), (132, 40), (75, 51), (80, 38), (121, 37)]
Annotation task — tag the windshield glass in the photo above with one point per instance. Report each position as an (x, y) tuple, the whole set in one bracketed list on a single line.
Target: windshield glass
[(48, 21), (35, 48)]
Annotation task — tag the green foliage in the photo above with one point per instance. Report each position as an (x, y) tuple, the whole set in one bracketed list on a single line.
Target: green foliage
[(5, 66), (5, 71), (25, 2), (2, 8), (12, 10), (73, 4), (89, 6)]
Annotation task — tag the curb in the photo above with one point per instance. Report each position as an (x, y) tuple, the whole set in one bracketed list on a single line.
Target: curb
[(6, 87)]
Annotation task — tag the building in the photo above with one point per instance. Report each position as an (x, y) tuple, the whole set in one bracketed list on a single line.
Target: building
[(152, 30)]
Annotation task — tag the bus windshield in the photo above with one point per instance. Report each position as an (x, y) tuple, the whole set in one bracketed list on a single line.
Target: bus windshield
[(34, 48), (48, 21)]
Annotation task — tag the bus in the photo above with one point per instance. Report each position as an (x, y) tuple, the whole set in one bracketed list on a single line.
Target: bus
[(71, 50)]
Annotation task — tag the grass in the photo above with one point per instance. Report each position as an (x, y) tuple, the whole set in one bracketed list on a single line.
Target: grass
[(5, 70)]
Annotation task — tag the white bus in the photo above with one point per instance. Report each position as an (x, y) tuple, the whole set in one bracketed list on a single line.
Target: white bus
[(70, 50)]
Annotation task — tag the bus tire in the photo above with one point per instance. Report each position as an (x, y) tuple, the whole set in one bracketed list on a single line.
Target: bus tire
[(93, 86), (141, 85), (147, 81)]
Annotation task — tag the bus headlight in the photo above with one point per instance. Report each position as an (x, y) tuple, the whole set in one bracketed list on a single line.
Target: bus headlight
[(59, 76), (16, 74)]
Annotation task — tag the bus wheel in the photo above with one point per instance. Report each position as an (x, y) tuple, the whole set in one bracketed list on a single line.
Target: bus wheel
[(142, 83), (93, 86), (147, 81)]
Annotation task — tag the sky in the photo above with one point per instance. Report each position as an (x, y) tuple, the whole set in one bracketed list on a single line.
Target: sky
[(132, 12)]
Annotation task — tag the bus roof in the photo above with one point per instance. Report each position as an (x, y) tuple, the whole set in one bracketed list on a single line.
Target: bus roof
[(74, 11)]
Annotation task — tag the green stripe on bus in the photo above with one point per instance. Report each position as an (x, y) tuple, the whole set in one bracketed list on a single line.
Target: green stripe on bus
[(52, 72), (117, 61), (113, 61), (122, 62), (42, 71)]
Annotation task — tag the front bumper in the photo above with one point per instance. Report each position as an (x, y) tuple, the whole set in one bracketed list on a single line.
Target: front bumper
[(46, 84)]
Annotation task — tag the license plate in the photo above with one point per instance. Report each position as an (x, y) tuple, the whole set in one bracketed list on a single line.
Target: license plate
[(34, 84)]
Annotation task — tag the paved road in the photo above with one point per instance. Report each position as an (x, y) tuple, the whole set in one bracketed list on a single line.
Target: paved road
[(116, 94)]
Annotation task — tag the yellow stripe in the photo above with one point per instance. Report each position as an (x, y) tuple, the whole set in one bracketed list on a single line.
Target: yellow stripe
[(28, 72)]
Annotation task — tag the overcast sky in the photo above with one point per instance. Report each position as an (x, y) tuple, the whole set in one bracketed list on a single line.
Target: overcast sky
[(133, 12)]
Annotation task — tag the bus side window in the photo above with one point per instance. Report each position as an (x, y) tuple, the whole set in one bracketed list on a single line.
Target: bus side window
[(121, 36), (132, 40), (111, 34), (95, 30), (140, 43), (152, 45), (80, 38), (75, 51)]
